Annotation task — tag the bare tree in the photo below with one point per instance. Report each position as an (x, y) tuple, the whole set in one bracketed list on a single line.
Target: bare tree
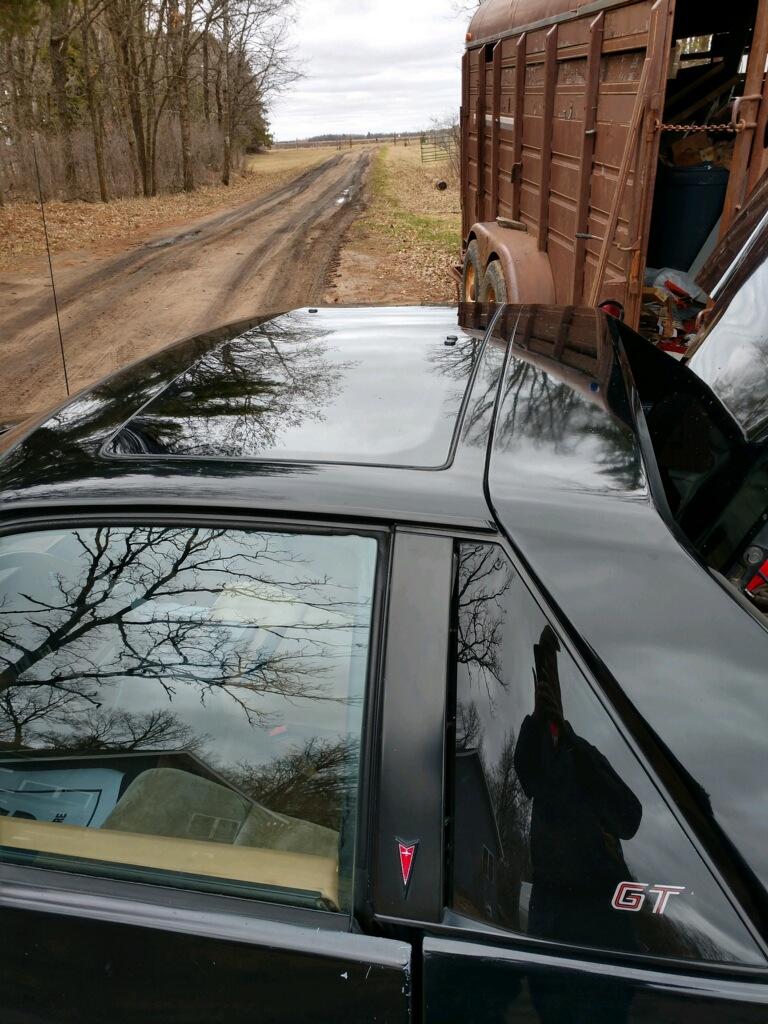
[(116, 93), (226, 157), (59, 27)]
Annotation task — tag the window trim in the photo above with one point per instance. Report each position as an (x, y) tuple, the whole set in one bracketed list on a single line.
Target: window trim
[(158, 895)]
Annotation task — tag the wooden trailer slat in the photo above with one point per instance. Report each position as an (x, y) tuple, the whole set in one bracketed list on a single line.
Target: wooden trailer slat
[(496, 130), (748, 111), (645, 87), (587, 153), (521, 50), (644, 176), (464, 135), (480, 129), (550, 78)]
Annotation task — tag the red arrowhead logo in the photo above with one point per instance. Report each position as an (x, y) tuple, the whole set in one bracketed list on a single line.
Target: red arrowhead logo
[(406, 849)]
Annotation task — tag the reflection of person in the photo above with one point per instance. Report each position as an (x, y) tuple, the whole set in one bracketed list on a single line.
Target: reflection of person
[(581, 811)]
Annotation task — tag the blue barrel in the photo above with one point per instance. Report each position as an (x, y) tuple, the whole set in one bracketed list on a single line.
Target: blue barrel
[(686, 206)]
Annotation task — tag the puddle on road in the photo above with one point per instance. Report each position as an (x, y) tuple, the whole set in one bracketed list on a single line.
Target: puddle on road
[(344, 197), (163, 243)]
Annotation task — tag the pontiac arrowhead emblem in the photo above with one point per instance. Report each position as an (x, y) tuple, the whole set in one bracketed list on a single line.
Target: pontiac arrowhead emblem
[(406, 849)]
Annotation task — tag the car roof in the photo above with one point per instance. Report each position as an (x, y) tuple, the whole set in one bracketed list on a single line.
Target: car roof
[(356, 386), (341, 411)]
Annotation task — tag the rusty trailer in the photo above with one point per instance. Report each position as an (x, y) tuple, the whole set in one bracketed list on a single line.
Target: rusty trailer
[(566, 111)]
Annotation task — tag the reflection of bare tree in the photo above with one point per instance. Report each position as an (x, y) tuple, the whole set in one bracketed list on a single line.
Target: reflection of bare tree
[(477, 421), (469, 726), (513, 816), (511, 808), (457, 362), (95, 731), (242, 395), (484, 579), (20, 709), (161, 604), (620, 457), (309, 782), (536, 405)]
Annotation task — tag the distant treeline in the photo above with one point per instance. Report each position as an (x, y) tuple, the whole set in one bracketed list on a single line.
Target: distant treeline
[(334, 138), (135, 97)]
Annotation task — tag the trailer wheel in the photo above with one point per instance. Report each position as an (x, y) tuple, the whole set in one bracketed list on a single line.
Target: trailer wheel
[(494, 287), (472, 274)]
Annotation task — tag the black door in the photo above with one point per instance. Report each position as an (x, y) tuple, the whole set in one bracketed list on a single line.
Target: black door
[(186, 712)]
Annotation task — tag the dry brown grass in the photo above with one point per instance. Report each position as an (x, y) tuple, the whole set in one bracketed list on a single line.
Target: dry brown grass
[(81, 225), (415, 227)]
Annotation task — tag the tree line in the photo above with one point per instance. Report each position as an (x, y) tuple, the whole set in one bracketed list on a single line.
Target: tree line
[(135, 97)]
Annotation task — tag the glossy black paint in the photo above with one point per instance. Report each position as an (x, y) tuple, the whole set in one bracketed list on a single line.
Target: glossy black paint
[(475, 982), (569, 483), (331, 386), (65, 461), (550, 455), (546, 788), (66, 967)]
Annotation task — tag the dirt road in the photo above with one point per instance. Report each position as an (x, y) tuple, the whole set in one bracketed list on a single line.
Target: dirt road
[(273, 253)]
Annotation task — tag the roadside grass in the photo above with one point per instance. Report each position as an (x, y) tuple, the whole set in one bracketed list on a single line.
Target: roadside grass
[(82, 225), (416, 227)]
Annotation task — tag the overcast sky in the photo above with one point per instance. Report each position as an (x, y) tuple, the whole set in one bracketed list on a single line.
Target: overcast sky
[(372, 65)]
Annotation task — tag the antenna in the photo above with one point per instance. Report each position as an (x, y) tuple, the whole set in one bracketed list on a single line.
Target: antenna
[(50, 268)]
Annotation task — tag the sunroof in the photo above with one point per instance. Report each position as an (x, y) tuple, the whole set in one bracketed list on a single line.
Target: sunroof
[(373, 386)]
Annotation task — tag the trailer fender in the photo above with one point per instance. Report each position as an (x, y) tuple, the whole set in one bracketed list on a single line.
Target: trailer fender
[(527, 270)]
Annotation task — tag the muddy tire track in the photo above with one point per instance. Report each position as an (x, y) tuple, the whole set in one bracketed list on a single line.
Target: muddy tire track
[(273, 253)]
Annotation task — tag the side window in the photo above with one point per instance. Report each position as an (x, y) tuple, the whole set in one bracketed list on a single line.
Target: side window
[(557, 830), (184, 706)]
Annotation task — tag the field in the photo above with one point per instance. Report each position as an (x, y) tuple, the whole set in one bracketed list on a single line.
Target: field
[(402, 247), (82, 225), (297, 227)]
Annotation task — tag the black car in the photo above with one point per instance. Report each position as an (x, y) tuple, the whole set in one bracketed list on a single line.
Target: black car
[(367, 665)]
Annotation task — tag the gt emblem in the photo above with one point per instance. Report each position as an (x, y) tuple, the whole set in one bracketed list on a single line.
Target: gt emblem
[(406, 849), (631, 896)]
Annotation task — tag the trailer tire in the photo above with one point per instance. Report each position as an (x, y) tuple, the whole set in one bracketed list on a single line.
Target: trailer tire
[(471, 274), (494, 287)]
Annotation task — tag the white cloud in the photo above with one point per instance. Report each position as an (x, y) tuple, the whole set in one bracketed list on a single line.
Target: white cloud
[(372, 65)]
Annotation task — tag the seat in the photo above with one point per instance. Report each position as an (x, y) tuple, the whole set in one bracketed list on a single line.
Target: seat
[(170, 802), (271, 831)]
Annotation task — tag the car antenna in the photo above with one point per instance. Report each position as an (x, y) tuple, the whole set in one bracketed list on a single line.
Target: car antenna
[(50, 268)]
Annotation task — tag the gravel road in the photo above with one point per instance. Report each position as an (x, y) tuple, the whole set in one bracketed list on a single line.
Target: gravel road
[(273, 253)]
